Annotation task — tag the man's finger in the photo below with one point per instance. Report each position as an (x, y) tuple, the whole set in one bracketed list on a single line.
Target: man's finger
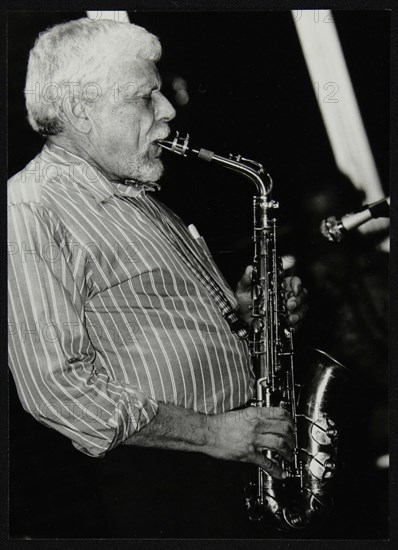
[(297, 287), (269, 419), (282, 445), (271, 467), (294, 301), (293, 285), (298, 314), (246, 279), (281, 435), (275, 413)]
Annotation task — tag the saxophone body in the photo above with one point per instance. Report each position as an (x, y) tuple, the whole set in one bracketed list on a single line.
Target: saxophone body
[(307, 385)]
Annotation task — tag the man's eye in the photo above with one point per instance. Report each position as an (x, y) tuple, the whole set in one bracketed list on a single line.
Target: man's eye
[(135, 99)]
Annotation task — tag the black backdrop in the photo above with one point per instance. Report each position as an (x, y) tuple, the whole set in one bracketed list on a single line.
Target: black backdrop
[(249, 93)]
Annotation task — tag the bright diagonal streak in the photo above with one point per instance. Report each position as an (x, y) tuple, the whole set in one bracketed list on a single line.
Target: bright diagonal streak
[(336, 99)]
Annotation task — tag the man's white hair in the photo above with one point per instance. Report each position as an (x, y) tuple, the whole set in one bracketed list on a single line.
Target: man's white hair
[(74, 55)]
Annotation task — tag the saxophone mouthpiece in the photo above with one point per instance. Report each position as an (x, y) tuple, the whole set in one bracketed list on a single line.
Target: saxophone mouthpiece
[(179, 145)]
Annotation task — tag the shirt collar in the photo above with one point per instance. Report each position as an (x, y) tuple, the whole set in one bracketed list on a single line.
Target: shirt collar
[(92, 179)]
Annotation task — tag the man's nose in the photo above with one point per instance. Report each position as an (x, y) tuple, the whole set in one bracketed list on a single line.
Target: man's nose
[(164, 109)]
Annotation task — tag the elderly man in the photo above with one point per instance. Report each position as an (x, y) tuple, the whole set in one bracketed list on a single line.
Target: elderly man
[(116, 334)]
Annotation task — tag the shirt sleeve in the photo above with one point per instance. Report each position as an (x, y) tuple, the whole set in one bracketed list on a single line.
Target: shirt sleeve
[(51, 356)]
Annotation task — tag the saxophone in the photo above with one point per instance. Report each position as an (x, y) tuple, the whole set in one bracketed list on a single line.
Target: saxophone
[(304, 496)]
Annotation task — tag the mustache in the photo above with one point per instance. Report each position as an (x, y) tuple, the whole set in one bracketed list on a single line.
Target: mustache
[(162, 132)]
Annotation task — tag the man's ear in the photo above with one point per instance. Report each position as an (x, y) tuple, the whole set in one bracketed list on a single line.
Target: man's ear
[(74, 111)]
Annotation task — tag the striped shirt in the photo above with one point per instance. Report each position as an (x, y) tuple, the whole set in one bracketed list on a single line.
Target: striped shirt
[(107, 316)]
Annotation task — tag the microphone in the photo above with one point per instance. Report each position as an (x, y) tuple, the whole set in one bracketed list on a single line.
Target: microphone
[(335, 230)]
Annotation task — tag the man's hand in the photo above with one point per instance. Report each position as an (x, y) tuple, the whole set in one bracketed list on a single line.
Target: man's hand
[(296, 297), (245, 434), (242, 435)]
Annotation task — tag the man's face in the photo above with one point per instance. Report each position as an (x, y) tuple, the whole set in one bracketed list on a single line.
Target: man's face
[(131, 115)]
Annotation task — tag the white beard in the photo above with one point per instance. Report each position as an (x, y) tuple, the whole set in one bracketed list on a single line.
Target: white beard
[(149, 171), (143, 170)]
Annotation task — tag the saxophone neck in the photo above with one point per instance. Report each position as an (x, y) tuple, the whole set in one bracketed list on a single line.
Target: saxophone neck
[(251, 169)]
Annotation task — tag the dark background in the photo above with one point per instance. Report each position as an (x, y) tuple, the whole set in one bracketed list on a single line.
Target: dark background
[(249, 93)]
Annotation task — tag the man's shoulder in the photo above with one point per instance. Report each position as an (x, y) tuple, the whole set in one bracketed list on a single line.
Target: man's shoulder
[(26, 186)]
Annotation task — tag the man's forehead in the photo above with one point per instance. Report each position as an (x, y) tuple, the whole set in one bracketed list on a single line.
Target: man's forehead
[(140, 71)]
